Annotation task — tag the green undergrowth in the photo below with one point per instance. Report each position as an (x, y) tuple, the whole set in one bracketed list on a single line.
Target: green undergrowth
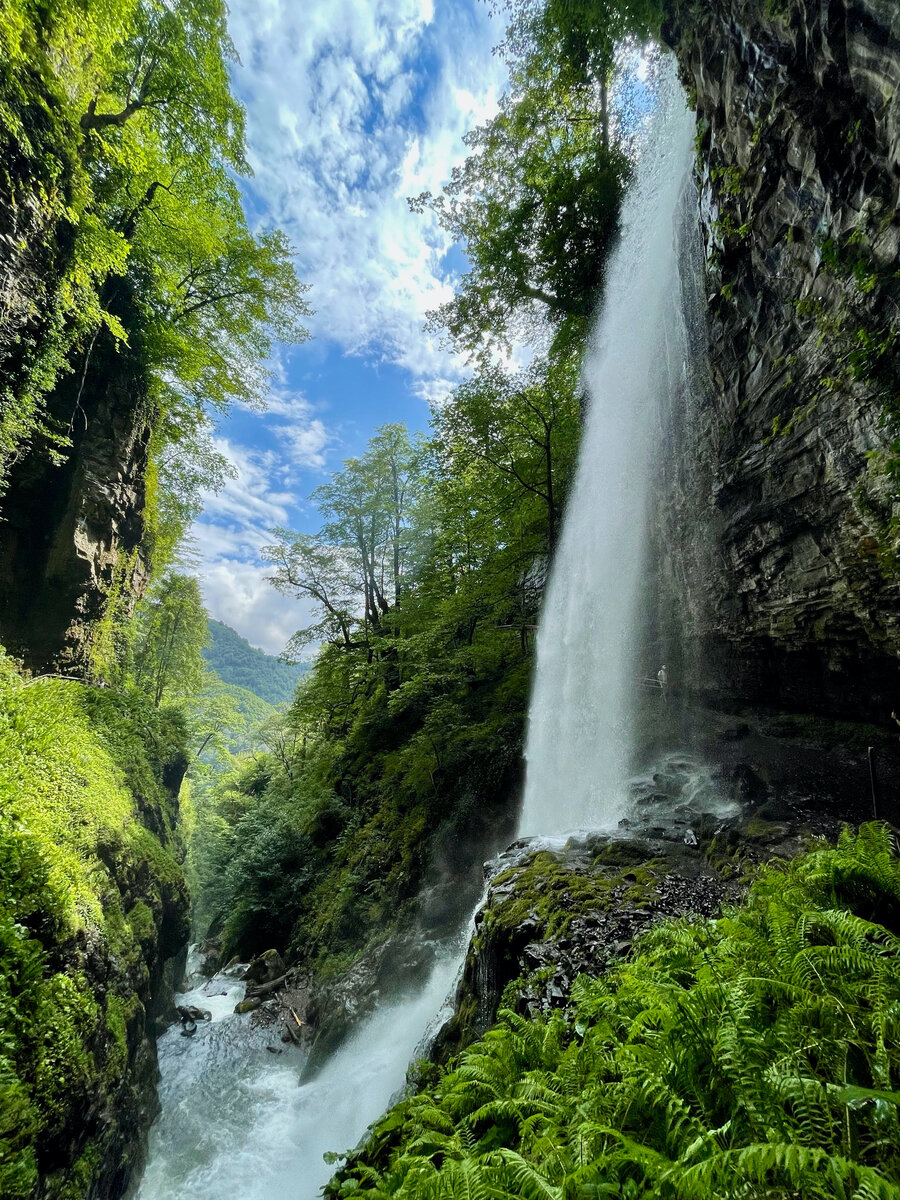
[(84, 885), (320, 847), (755, 1055)]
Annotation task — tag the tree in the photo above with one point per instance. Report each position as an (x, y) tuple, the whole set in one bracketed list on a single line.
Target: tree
[(591, 30), (536, 203), (171, 633), (168, 66), (304, 566), (141, 219), (355, 567), (523, 427), (397, 459)]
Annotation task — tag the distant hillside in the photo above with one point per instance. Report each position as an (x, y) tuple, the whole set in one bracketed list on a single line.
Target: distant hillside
[(235, 661), (238, 734)]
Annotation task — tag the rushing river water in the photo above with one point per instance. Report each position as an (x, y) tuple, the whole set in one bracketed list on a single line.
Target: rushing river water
[(236, 1124)]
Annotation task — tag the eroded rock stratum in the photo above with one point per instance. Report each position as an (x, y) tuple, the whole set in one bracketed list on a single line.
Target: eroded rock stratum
[(775, 523)]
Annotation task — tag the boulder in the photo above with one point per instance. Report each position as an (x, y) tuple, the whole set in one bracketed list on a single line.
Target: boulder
[(265, 969), (248, 1006)]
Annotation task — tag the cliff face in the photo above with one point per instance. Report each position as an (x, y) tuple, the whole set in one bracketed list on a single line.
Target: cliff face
[(36, 188), (779, 567), (73, 531)]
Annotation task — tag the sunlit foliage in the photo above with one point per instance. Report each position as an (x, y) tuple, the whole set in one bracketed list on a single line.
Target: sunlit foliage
[(122, 143)]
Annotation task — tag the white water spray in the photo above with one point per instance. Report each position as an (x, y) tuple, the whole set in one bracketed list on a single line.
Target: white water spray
[(235, 1122), (581, 715)]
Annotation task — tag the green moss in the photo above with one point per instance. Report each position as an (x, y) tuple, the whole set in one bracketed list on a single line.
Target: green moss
[(140, 918), (623, 853), (862, 332), (117, 1026), (730, 180), (64, 1068), (71, 763), (81, 1176), (761, 831), (551, 893), (855, 735)]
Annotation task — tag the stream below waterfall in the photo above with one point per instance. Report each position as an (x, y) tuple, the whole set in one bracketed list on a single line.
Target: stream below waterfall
[(236, 1122), (235, 1119)]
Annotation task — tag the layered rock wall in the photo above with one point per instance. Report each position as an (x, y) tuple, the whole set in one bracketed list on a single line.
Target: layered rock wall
[(775, 522), (73, 531)]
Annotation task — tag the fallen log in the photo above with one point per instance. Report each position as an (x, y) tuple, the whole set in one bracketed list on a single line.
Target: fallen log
[(263, 989)]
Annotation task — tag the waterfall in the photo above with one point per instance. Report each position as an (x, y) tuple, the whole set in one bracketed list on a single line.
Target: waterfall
[(234, 1121), (582, 707)]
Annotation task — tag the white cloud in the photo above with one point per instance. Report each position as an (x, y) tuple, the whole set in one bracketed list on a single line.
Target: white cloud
[(251, 498), (306, 444), (240, 594), (353, 105), (227, 541), (302, 438)]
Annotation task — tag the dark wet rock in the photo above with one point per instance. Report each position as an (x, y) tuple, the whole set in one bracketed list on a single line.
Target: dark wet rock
[(74, 532), (265, 968), (552, 915), (190, 1012), (336, 1006), (774, 548)]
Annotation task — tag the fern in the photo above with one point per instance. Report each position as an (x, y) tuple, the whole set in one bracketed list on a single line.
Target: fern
[(756, 1056)]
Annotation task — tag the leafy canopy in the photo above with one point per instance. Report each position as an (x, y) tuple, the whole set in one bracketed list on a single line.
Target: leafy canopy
[(124, 138), (536, 202)]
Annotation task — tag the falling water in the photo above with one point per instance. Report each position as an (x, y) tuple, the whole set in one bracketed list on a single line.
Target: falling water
[(235, 1122), (581, 715)]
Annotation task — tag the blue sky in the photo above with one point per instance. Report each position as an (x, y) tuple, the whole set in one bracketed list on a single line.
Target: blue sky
[(352, 105)]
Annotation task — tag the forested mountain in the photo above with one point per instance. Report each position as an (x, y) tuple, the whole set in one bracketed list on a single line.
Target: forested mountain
[(236, 662)]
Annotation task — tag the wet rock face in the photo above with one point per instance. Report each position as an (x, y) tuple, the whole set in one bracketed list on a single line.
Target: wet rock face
[(336, 1006), (552, 914), (773, 550), (72, 533)]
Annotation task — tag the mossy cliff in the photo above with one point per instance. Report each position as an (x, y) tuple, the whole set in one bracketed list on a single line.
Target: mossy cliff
[(92, 905)]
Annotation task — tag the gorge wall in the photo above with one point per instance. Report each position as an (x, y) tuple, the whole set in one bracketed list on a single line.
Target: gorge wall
[(74, 531), (93, 919), (776, 520)]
